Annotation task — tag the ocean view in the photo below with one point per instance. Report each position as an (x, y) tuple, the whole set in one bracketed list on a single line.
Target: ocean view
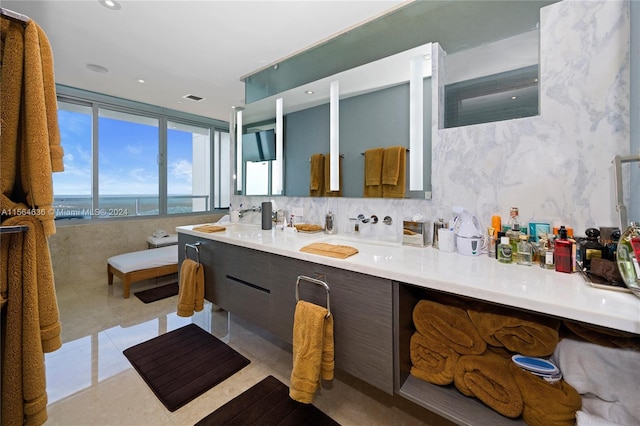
[(79, 206)]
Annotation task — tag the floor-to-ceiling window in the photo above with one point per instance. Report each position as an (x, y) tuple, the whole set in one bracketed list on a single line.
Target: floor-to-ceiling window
[(122, 161)]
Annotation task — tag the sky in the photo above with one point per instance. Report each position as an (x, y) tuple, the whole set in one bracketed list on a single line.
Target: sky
[(128, 155)]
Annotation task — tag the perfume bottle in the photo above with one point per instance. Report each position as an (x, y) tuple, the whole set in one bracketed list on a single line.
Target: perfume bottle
[(491, 243), (514, 231), (525, 251), (590, 248), (545, 252), (504, 251), (562, 254)]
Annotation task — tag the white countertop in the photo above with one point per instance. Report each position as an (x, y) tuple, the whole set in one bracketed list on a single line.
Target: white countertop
[(528, 287)]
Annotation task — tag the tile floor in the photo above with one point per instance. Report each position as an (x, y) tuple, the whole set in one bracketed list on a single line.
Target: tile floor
[(90, 382)]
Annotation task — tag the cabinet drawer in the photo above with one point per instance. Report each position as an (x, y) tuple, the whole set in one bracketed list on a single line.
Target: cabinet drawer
[(250, 266), (248, 301)]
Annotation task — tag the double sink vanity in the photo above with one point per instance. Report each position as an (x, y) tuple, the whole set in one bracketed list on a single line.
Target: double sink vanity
[(252, 273)]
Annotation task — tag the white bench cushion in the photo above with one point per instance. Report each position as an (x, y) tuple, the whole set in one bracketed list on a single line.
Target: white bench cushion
[(145, 259)]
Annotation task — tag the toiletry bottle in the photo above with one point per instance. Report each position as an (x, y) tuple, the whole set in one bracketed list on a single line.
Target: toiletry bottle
[(590, 248), (525, 251), (504, 251), (562, 254), (330, 223), (498, 241), (491, 243), (514, 229), (628, 253), (545, 253)]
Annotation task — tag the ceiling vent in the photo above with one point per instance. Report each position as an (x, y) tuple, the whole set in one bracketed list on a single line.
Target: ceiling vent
[(193, 98)]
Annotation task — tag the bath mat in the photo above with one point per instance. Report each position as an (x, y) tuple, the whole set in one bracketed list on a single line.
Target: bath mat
[(158, 293), (267, 402), (183, 364)]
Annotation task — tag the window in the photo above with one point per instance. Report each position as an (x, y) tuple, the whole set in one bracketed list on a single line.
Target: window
[(129, 159)]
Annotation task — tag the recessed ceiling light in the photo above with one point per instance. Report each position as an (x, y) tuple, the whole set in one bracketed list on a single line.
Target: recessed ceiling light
[(110, 4), (513, 98), (140, 80), (309, 92), (96, 68)]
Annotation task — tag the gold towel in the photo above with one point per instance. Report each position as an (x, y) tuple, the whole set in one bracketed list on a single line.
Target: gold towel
[(546, 404), (316, 179), (394, 166), (373, 172), (313, 351), (308, 227), (330, 250), (487, 377), (31, 322), (432, 361), (191, 292), (327, 178), (209, 228), (30, 137), (520, 332), (449, 326)]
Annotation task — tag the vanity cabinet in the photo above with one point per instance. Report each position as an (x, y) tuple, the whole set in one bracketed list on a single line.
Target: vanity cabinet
[(247, 283), (212, 257), (361, 306)]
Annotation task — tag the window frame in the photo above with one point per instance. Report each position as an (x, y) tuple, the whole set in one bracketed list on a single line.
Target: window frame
[(98, 101)]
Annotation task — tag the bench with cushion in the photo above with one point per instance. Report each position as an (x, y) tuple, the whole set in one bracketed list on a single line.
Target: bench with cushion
[(142, 265)]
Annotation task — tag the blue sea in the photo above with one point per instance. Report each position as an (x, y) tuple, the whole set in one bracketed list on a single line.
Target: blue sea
[(79, 206)]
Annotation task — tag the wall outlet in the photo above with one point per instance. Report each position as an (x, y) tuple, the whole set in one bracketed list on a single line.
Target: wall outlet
[(297, 211)]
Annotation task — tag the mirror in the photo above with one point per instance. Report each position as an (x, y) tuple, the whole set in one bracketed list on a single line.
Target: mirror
[(373, 112)]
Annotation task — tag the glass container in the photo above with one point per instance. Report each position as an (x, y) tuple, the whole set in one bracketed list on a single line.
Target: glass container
[(627, 255)]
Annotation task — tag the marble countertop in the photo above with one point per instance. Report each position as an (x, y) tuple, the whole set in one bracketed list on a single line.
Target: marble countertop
[(527, 287)]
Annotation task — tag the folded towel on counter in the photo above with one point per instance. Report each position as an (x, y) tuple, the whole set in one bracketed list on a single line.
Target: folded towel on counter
[(209, 228), (330, 250), (520, 332), (316, 178), (449, 326), (191, 290), (394, 173), (373, 172), (432, 361), (607, 378), (488, 378), (308, 227), (602, 336), (546, 404), (313, 350)]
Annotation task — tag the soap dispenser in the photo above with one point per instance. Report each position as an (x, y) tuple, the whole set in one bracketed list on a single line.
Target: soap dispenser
[(330, 223)]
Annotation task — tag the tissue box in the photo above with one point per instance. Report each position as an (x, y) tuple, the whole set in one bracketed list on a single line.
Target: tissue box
[(416, 233)]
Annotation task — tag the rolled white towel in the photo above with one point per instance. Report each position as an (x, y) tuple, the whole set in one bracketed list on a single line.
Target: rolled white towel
[(585, 419)]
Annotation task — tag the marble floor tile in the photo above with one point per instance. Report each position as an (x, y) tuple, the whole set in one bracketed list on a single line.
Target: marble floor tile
[(90, 381)]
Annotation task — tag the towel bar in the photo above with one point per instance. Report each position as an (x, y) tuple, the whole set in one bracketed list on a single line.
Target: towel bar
[(196, 247), (314, 281)]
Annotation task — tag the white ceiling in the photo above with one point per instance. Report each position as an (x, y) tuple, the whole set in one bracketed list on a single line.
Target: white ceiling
[(185, 47)]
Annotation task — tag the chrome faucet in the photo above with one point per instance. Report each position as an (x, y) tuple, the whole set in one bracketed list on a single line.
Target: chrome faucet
[(257, 209)]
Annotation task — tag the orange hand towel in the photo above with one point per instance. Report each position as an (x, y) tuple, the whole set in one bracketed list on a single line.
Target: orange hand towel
[(546, 404), (432, 361), (316, 179), (191, 292), (520, 332), (394, 165), (373, 172), (487, 377), (449, 326), (313, 351)]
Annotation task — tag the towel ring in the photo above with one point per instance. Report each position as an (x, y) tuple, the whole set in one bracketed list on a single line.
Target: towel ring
[(314, 281), (196, 247)]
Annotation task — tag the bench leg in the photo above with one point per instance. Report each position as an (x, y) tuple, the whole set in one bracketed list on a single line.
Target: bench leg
[(109, 275), (126, 288)]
